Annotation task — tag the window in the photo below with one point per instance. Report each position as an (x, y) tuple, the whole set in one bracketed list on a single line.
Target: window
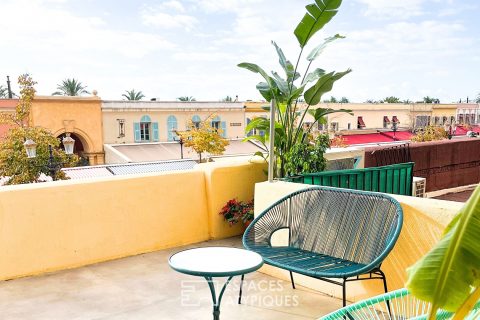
[(360, 123), (196, 121), (171, 127), (334, 126), (216, 123), (395, 119), (145, 130), (145, 124), (349, 126), (121, 128), (386, 122), (421, 121)]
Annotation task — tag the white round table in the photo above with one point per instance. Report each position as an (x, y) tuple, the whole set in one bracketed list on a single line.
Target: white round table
[(211, 262)]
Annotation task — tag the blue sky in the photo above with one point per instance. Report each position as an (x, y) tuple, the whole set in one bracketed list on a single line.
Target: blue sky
[(172, 48)]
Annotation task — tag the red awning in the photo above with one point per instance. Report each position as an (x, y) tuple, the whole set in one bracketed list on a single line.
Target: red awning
[(351, 139), (360, 122), (385, 119), (395, 119)]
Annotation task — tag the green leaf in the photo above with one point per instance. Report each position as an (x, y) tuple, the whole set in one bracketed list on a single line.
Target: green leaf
[(281, 83), (446, 275), (258, 123), (295, 94), (323, 85), (318, 14), (286, 64), (265, 90), (313, 76), (257, 69), (320, 113), (319, 49)]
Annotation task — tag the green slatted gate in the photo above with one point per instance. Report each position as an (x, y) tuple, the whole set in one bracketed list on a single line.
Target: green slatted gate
[(393, 179)]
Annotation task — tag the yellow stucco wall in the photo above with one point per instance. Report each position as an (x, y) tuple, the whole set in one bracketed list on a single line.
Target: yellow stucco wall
[(226, 181), (79, 115), (66, 224), (424, 221)]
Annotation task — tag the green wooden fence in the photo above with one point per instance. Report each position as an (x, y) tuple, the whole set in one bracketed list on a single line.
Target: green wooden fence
[(393, 179)]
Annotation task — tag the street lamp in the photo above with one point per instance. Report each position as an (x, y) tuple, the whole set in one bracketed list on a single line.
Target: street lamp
[(180, 140), (52, 166)]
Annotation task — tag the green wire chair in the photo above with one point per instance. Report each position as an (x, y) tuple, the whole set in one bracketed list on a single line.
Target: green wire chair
[(398, 305), (334, 235)]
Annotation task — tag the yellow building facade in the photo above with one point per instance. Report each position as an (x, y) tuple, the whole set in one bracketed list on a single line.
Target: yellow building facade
[(155, 121), (79, 116)]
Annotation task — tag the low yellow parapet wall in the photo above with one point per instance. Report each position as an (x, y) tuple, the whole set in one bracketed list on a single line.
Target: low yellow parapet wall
[(66, 224), (424, 221)]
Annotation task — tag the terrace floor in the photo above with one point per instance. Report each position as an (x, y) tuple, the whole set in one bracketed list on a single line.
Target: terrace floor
[(144, 287)]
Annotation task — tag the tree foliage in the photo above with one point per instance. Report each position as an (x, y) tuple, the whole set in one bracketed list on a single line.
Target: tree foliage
[(391, 99), (430, 133), (14, 162), (186, 98), (477, 99), (290, 90), (70, 87), (227, 99), (133, 95), (429, 99), (3, 92), (204, 138)]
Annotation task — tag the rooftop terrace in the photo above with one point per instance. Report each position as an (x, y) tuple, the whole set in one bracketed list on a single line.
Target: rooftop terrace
[(144, 287)]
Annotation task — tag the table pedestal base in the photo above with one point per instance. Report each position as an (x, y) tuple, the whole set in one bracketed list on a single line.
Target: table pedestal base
[(216, 302)]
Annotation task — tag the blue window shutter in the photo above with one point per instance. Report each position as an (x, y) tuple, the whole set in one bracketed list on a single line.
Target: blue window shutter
[(155, 131), (136, 131), (224, 129)]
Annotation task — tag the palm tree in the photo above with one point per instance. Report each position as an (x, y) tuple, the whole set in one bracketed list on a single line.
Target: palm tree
[(227, 99), (186, 99), (429, 99), (477, 100), (132, 95), (70, 87), (3, 92), (391, 99)]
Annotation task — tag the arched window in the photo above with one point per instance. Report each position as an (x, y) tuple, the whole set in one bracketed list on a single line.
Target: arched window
[(145, 130), (171, 127), (196, 121)]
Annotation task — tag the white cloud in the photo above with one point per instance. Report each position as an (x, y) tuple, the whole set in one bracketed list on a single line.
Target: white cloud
[(393, 8), (159, 17)]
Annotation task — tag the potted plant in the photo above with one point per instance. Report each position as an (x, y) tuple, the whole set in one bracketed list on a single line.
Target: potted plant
[(294, 97), (235, 211)]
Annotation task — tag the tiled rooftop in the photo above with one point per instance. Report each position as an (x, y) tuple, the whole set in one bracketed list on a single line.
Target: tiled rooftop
[(145, 287)]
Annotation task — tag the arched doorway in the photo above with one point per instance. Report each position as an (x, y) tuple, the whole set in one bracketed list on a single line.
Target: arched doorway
[(78, 148)]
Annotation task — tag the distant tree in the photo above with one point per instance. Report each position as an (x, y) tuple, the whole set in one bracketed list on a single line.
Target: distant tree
[(429, 99), (14, 162), (370, 101), (391, 99), (331, 100), (70, 87), (186, 99), (477, 99), (204, 138), (133, 95), (407, 101), (227, 99), (344, 100), (3, 92)]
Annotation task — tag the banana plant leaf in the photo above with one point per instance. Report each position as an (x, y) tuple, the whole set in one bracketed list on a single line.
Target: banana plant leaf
[(318, 14), (449, 275)]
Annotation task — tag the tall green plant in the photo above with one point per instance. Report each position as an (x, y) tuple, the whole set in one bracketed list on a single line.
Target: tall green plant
[(449, 275), (288, 91)]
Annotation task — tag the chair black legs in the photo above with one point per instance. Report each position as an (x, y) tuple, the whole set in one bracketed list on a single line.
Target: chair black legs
[(240, 293), (344, 291), (291, 278)]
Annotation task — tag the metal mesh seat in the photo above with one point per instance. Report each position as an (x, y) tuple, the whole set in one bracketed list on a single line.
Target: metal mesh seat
[(332, 233), (399, 304)]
